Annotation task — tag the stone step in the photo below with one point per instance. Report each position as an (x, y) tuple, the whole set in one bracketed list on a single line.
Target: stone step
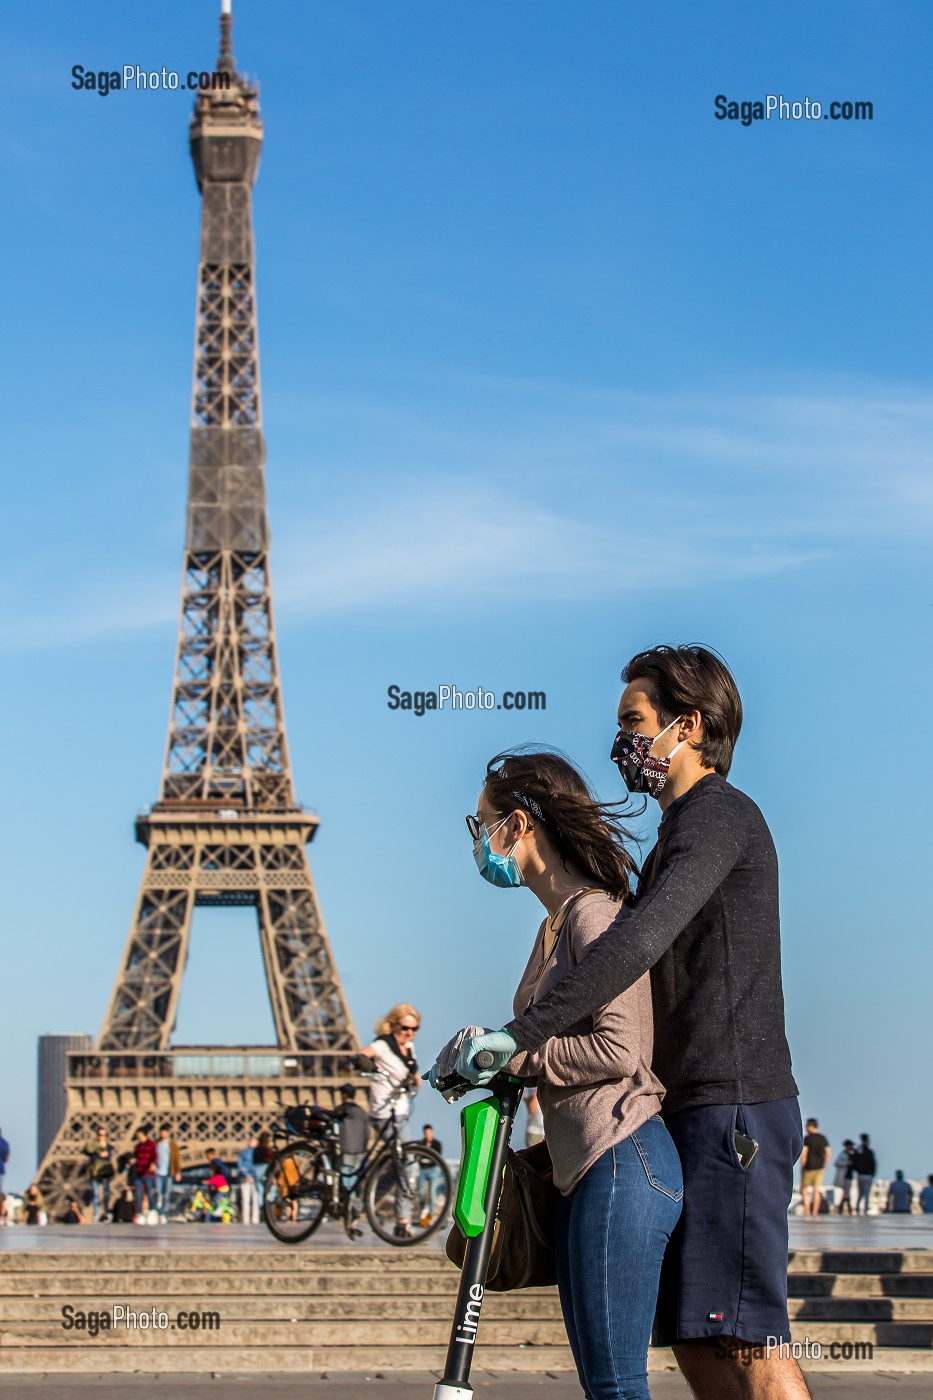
[(297, 1259), (429, 1259), (231, 1361), (860, 1261), (342, 1332), (362, 1309), (222, 1282), (390, 1335), (860, 1285), (542, 1306)]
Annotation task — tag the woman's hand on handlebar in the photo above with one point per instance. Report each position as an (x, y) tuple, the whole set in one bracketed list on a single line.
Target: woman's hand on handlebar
[(502, 1046)]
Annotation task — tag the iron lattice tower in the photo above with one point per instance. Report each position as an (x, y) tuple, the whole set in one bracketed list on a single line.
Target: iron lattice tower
[(226, 829)]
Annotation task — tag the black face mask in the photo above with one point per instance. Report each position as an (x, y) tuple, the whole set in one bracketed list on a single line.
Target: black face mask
[(641, 770)]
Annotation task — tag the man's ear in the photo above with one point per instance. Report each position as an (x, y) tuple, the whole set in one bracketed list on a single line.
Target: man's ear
[(692, 725)]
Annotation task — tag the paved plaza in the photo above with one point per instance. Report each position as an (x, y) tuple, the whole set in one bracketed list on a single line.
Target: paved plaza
[(836, 1385), (826, 1233)]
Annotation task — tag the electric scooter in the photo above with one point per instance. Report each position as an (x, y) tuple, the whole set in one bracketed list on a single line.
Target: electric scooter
[(485, 1129)]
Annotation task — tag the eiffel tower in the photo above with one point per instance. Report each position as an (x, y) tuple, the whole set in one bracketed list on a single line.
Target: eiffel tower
[(226, 829)]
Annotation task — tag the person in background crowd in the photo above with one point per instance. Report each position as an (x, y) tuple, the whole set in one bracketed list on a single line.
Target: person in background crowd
[(168, 1169), (73, 1215), (430, 1179), (354, 1133), (900, 1196), (926, 1197), (249, 1200), (124, 1208), (845, 1174), (534, 1124), (144, 1159), (33, 1206), (394, 1087), (4, 1210), (4, 1158), (99, 1153), (863, 1160), (812, 1165), (217, 1166), (262, 1155)]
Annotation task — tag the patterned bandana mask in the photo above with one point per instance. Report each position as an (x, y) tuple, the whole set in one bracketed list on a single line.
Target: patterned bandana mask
[(643, 771)]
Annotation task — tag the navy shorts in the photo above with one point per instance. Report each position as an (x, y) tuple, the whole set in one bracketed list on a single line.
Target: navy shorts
[(725, 1268)]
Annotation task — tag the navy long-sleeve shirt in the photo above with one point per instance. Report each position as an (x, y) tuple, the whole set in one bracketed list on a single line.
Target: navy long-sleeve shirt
[(706, 925)]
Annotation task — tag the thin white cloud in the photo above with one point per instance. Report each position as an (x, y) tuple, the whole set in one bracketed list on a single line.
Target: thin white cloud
[(568, 493)]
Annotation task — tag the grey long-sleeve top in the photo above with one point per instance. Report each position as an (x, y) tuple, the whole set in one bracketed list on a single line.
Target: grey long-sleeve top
[(595, 1084), (707, 926)]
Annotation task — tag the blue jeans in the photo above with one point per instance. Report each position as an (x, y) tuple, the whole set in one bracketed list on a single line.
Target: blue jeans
[(430, 1186), (163, 1193), (145, 1185), (609, 1240), (100, 1187)]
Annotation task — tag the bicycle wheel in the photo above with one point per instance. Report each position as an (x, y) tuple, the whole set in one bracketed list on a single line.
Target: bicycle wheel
[(295, 1197), (411, 1183)]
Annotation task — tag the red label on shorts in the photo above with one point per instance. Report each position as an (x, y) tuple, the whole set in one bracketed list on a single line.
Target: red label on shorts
[(715, 1317)]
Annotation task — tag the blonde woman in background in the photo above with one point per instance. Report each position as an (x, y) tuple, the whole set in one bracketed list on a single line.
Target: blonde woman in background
[(395, 1085)]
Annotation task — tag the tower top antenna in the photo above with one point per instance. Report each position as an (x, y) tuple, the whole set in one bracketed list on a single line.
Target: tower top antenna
[(226, 36)]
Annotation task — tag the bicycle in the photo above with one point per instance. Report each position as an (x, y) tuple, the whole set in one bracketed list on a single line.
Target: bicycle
[(306, 1182)]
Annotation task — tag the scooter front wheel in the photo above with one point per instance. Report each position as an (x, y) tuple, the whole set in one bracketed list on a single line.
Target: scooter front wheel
[(294, 1203), (411, 1184)]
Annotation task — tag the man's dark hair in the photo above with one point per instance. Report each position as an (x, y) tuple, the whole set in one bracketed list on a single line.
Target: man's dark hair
[(812, 1123), (685, 678), (427, 1126), (863, 1137)]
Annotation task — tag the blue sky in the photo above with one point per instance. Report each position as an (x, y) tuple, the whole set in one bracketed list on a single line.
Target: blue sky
[(555, 366)]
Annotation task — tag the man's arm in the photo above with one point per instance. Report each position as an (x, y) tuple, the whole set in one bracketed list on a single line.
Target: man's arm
[(703, 845)]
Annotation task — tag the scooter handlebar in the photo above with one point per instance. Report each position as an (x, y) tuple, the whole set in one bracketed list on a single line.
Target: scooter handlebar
[(484, 1059)]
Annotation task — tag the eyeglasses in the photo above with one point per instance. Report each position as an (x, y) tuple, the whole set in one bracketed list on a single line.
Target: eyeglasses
[(409, 1030), (475, 826)]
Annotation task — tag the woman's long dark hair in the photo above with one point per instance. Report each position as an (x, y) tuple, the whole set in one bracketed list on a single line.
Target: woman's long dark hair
[(588, 834)]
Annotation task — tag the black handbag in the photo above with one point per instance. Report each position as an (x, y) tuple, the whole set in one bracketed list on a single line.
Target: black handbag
[(522, 1253)]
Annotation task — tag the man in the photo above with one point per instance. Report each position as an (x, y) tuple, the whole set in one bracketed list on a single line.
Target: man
[(706, 924), (863, 1160), (168, 1168), (900, 1196), (430, 1178), (99, 1153), (354, 1134), (926, 1197), (249, 1200), (144, 1159), (845, 1174), (812, 1165)]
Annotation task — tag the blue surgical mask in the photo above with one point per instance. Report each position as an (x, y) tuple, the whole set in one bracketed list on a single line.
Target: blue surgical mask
[(502, 871)]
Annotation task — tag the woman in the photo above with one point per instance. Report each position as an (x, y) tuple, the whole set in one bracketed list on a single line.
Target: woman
[(33, 1206), (394, 1087), (538, 825)]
